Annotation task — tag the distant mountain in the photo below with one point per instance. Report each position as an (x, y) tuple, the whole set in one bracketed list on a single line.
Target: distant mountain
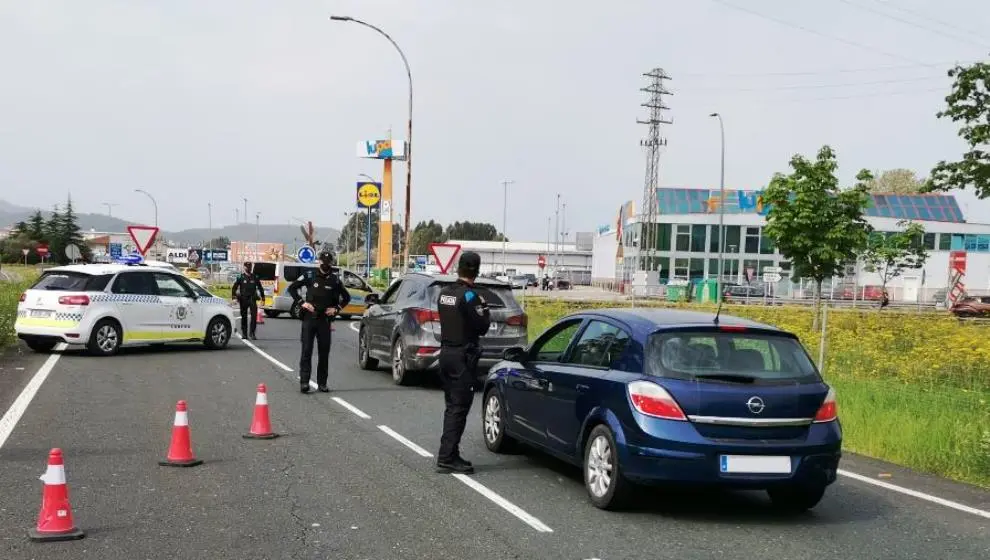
[(10, 214)]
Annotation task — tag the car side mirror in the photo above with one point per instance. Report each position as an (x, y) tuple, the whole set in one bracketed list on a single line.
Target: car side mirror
[(371, 299), (514, 354)]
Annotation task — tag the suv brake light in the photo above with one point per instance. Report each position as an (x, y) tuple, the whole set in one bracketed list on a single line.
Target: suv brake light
[(73, 300), (24, 296), (517, 320), (653, 400), (829, 410), (425, 315)]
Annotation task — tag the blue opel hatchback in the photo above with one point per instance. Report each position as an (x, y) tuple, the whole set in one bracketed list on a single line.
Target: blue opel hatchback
[(651, 396)]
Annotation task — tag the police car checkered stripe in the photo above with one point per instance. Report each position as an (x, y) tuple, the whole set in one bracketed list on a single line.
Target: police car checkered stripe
[(214, 300), (136, 298), (21, 313), (62, 316)]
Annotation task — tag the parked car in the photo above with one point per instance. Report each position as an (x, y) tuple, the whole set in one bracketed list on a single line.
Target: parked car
[(106, 306), (641, 396), (971, 306), (519, 282), (741, 293), (402, 327), (531, 281)]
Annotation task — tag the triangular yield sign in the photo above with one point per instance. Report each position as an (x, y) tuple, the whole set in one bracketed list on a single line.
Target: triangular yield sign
[(143, 237), (445, 253)]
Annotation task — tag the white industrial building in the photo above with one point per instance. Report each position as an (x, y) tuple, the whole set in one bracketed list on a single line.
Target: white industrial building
[(522, 257), (685, 245)]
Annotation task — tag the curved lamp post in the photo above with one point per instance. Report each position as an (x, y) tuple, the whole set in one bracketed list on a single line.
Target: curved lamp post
[(721, 211), (409, 147)]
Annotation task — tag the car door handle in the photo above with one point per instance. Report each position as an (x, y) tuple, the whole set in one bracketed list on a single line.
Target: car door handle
[(582, 387), (543, 383)]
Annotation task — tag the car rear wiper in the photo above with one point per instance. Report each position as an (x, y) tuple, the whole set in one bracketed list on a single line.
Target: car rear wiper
[(730, 377)]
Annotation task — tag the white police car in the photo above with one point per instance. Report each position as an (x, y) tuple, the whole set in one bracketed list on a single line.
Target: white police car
[(106, 306)]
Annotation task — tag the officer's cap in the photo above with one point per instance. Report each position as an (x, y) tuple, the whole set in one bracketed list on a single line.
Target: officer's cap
[(469, 264)]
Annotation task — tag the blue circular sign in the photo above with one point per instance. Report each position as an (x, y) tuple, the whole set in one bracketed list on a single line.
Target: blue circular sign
[(306, 254)]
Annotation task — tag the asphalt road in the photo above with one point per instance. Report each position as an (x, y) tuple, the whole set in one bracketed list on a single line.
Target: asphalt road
[(353, 479)]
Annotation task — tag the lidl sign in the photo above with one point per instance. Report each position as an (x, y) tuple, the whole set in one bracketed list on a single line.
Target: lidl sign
[(381, 149), (369, 195)]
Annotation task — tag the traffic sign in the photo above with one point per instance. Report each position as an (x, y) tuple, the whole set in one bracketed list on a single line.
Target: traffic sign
[(772, 270), (306, 254), (772, 277), (445, 253), (369, 195), (25, 252), (541, 261), (42, 250), (72, 252), (143, 236), (116, 250), (957, 261)]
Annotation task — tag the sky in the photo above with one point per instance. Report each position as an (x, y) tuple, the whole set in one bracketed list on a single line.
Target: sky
[(206, 103)]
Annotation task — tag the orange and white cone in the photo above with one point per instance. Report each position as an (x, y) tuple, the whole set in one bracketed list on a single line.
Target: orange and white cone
[(261, 424), (55, 521), (180, 450)]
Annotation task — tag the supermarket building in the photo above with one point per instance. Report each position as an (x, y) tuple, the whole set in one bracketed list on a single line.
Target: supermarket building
[(683, 245)]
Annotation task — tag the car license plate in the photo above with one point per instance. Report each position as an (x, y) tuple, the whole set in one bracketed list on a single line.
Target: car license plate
[(41, 313), (755, 464)]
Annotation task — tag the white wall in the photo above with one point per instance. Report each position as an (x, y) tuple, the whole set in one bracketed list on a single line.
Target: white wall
[(603, 264), (523, 256)]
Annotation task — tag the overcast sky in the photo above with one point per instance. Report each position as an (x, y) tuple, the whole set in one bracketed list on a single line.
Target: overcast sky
[(207, 102)]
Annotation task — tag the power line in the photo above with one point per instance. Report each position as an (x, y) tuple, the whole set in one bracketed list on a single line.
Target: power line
[(854, 96), (928, 17), (824, 72), (819, 86), (819, 33), (911, 23)]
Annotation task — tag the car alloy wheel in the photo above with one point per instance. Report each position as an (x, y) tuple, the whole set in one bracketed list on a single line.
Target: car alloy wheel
[(105, 339), (219, 334), (365, 361), (599, 467), (493, 419)]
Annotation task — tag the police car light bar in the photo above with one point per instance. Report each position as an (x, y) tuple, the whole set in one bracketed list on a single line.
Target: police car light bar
[(133, 258)]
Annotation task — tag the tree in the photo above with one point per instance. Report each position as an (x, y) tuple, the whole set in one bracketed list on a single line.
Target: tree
[(36, 226), (423, 234), (968, 104), (71, 234), (219, 242), (889, 254), (900, 181), (815, 224), (473, 231)]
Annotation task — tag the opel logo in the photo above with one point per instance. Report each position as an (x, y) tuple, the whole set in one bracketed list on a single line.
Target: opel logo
[(755, 405)]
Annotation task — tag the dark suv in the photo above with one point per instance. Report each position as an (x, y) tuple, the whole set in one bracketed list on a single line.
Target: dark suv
[(402, 328)]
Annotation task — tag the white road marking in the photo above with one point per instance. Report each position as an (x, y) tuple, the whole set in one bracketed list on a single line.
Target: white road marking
[(354, 326), (404, 441), (350, 407), (264, 354), (20, 404), (916, 494), (504, 504)]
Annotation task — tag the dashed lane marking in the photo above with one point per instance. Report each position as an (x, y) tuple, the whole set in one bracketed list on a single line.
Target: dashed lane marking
[(405, 441), (914, 493), (350, 407), (17, 409), (508, 506)]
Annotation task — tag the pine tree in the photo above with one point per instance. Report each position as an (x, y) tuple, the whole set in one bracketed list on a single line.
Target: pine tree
[(71, 232), (36, 226)]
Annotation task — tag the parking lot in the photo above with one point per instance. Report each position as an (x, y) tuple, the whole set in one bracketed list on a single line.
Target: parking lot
[(352, 476)]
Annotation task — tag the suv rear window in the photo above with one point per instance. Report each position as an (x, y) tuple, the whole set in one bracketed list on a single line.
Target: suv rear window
[(496, 296), (72, 282), (729, 356)]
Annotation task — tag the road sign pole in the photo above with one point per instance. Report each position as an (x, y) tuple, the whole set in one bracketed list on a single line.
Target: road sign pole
[(367, 265)]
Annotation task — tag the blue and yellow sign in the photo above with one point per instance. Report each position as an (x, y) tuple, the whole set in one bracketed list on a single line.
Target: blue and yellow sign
[(369, 195), (381, 149)]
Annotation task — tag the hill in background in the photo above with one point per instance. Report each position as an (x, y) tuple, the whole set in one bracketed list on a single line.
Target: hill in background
[(10, 214)]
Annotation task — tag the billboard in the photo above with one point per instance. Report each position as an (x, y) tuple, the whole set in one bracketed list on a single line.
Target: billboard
[(584, 241), (381, 149), (369, 195), (243, 251)]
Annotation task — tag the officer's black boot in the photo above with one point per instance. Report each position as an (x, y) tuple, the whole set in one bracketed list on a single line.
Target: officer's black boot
[(456, 464)]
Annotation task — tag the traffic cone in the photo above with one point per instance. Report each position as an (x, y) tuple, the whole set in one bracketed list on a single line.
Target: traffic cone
[(55, 519), (261, 425), (180, 451), (261, 317)]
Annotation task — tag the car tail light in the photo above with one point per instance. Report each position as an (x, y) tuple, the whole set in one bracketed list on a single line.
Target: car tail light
[(517, 320), (426, 350), (425, 315), (653, 400), (829, 410), (24, 296), (73, 300), (731, 328)]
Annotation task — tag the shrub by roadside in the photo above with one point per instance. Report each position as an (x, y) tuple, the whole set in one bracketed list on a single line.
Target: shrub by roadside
[(913, 389)]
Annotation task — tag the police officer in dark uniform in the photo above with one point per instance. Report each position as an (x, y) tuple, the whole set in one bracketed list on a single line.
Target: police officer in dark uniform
[(247, 290), (464, 317), (325, 297)]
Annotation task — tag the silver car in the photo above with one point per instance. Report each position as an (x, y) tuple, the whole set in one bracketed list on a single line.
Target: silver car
[(402, 328)]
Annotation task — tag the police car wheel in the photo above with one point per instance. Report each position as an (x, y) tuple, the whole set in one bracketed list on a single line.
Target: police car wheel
[(493, 423), (365, 361), (217, 334), (400, 375), (105, 339)]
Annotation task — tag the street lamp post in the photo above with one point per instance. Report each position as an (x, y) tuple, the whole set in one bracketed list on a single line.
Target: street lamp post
[(409, 130), (155, 204), (721, 209), (505, 205)]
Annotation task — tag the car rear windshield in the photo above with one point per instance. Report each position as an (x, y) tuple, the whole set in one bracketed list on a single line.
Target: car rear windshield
[(496, 296), (71, 282), (729, 356)]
